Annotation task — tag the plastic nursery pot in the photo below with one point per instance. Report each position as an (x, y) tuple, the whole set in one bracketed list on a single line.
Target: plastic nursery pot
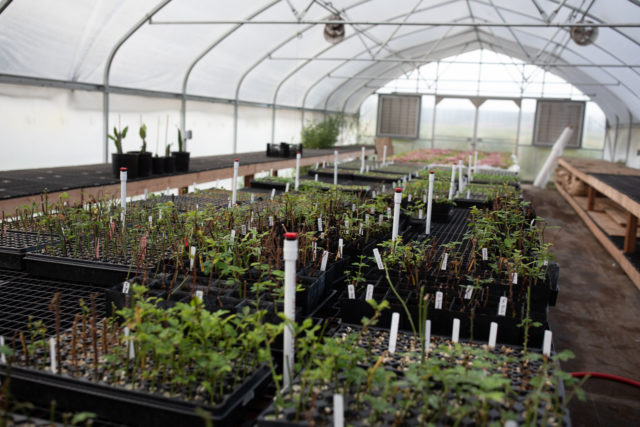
[(125, 160), (169, 164), (182, 160), (157, 165), (145, 164)]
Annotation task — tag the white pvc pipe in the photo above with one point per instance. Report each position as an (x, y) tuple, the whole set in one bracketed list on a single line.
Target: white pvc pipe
[(298, 156), (335, 167), (429, 203), (234, 183), (290, 254), (475, 161), (362, 161), (550, 163), (123, 191), (397, 200), (453, 181)]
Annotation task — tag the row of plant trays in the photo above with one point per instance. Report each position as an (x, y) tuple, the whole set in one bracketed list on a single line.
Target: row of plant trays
[(14, 244), (416, 401)]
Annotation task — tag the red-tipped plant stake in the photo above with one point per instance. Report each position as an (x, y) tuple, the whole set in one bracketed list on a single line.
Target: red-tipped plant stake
[(290, 254), (298, 156), (397, 200), (234, 184), (429, 203)]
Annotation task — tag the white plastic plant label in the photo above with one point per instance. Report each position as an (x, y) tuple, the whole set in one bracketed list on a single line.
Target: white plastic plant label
[(273, 193), (286, 188), (125, 287), (419, 213), (546, 343), (514, 278), (168, 192), (353, 207), (455, 332), (360, 232), (445, 258), (159, 215), (340, 247), (233, 235), (320, 225), (366, 218), (545, 262), (502, 306), (376, 254), (200, 294), (469, 292), (146, 193), (424, 199), (192, 258), (52, 355), (325, 259), (252, 197), (384, 188), (438, 303), (485, 254), (380, 219), (338, 410), (3, 357), (393, 334), (315, 177), (409, 198), (243, 229), (427, 336), (270, 221), (388, 212), (351, 291), (346, 224), (369, 294), (373, 210), (493, 335), (373, 194)]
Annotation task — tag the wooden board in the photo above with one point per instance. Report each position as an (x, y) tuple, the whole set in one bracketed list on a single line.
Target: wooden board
[(601, 204), (616, 253), (610, 227), (618, 215)]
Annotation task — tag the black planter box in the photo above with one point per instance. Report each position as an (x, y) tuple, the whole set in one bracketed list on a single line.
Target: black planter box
[(169, 164), (182, 160), (125, 160), (157, 165), (283, 149), (129, 407), (14, 244)]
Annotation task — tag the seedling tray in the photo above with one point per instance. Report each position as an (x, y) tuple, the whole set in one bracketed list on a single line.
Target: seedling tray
[(128, 407), (93, 272), (14, 244)]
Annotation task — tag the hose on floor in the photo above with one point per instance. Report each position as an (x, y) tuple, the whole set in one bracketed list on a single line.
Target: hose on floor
[(606, 377)]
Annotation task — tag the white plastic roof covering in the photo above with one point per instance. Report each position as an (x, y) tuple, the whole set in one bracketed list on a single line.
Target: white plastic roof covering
[(289, 63)]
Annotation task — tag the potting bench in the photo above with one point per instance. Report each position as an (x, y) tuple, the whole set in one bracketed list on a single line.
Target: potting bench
[(80, 182), (611, 207)]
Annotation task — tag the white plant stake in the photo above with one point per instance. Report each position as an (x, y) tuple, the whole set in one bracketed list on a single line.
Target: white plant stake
[(286, 187), (325, 259), (290, 253), (335, 167), (123, 192), (52, 355), (234, 184), (445, 258), (3, 357), (252, 197), (493, 335), (351, 290), (338, 410), (200, 294), (429, 203), (546, 343), (427, 336), (132, 350), (460, 179), (297, 183), (469, 172), (273, 193), (475, 162), (384, 155), (397, 200), (369, 294), (146, 193), (315, 177), (455, 333), (376, 254), (502, 306), (168, 191), (362, 161), (485, 254), (438, 303), (453, 181), (393, 334), (340, 247), (192, 258)]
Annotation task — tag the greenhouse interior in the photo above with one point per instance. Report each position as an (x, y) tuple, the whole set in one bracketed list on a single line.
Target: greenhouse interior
[(320, 213)]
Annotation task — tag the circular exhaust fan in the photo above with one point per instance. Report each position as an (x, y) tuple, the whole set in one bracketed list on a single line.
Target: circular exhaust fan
[(584, 36), (334, 33)]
